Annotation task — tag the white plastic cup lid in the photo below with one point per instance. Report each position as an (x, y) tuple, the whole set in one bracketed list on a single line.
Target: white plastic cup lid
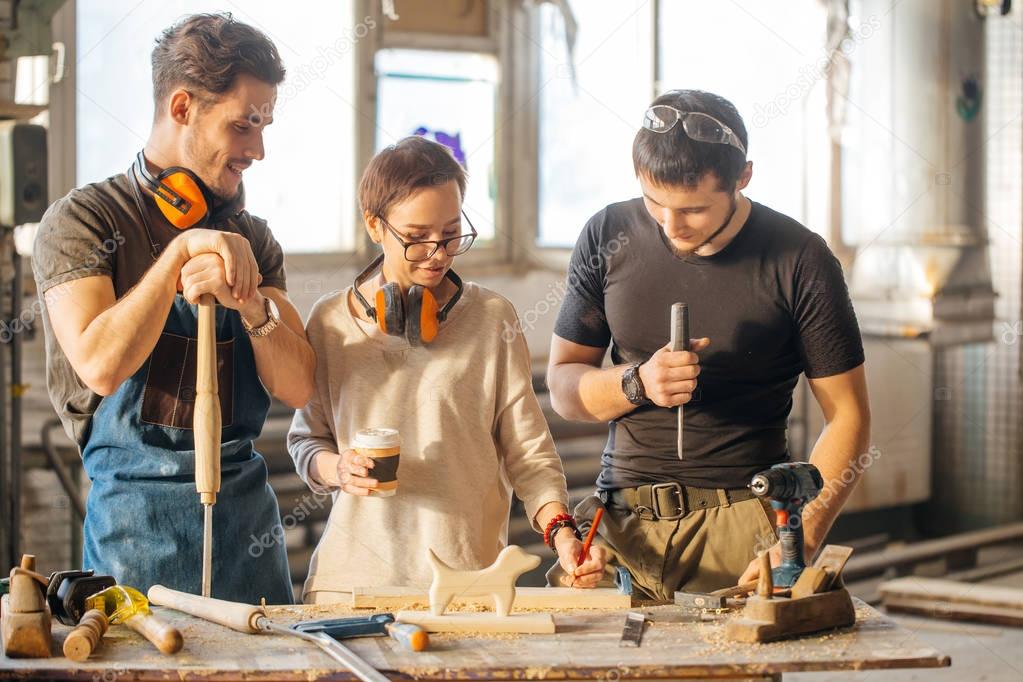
[(377, 438)]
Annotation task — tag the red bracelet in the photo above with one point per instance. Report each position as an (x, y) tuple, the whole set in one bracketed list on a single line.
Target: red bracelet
[(550, 524)]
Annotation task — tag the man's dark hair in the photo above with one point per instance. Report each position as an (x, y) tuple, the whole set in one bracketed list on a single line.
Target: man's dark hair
[(673, 159), (205, 53), (398, 171)]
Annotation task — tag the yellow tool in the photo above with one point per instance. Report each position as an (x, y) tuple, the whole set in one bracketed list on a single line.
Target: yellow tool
[(206, 431), (126, 605)]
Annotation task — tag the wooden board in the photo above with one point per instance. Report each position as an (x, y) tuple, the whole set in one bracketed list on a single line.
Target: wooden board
[(585, 646), (548, 598), (480, 623), (954, 592), (954, 600)]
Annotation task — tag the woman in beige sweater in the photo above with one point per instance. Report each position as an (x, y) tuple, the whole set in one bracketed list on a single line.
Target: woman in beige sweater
[(471, 429)]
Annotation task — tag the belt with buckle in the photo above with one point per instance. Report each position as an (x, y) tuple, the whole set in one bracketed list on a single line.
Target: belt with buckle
[(671, 501)]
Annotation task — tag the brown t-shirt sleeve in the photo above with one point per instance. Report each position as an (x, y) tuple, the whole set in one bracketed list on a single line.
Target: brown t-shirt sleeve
[(269, 254), (74, 240)]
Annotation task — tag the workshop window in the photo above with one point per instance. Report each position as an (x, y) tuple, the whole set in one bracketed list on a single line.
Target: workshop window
[(586, 127), (718, 46), (448, 97), (305, 187)]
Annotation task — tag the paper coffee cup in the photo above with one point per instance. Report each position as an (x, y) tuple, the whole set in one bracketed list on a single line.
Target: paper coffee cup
[(383, 446)]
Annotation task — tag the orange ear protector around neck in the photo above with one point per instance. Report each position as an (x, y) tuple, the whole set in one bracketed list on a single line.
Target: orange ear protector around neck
[(417, 319), (181, 196)]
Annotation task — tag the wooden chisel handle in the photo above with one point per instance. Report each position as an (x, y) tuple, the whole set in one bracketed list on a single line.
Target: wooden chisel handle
[(206, 419), (736, 591), (165, 638), (240, 617)]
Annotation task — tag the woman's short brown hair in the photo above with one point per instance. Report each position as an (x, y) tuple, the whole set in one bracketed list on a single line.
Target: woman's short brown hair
[(205, 53), (396, 172)]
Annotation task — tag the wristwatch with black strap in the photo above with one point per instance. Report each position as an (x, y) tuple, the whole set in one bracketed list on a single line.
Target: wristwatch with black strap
[(632, 386)]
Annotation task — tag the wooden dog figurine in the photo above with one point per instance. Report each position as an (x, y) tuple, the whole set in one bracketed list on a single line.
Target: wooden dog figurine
[(497, 580)]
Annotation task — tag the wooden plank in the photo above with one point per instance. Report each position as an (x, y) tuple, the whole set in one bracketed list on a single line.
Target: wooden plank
[(977, 613), (866, 565), (22, 112), (952, 600), (483, 623), (585, 647), (544, 598), (952, 592)]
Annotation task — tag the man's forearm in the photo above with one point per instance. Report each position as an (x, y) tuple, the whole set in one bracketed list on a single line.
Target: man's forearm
[(838, 455), (118, 341), (583, 392), (285, 361)]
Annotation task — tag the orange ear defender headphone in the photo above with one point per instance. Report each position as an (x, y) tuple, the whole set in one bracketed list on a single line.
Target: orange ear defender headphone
[(417, 319), (181, 196)]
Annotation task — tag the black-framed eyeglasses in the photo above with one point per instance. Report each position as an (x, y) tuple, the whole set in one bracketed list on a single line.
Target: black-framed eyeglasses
[(424, 250)]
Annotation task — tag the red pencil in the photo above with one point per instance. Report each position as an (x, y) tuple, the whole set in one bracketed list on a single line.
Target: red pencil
[(589, 536)]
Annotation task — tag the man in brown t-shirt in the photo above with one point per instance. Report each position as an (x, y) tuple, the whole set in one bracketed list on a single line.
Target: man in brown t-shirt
[(120, 265)]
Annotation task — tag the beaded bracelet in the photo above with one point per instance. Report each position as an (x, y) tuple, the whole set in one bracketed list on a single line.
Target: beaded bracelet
[(560, 518), (557, 527)]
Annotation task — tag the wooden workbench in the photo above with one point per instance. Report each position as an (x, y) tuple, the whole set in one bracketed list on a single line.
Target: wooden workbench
[(585, 647)]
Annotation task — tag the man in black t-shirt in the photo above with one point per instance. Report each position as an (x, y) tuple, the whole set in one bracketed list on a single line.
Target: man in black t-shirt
[(767, 299)]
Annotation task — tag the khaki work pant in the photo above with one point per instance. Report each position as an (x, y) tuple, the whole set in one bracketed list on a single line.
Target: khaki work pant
[(705, 550)]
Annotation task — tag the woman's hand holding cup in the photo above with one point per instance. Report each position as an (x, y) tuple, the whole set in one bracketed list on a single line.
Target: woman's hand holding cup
[(353, 473)]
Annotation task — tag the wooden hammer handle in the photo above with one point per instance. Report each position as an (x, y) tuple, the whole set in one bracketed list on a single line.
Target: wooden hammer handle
[(206, 420), (240, 617), (165, 638)]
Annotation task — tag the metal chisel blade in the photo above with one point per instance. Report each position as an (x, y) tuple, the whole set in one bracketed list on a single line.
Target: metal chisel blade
[(632, 633), (207, 550)]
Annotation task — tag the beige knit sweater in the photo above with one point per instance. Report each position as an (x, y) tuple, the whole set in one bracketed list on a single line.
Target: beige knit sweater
[(471, 429)]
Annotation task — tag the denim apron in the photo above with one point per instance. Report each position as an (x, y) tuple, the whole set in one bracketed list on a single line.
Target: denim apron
[(144, 521)]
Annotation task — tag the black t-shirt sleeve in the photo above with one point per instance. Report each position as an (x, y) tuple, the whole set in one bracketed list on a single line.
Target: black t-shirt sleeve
[(828, 332), (582, 319)]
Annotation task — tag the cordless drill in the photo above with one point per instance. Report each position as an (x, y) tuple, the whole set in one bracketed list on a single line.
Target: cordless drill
[(789, 486)]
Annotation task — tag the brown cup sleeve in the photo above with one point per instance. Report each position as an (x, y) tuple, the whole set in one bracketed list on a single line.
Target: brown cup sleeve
[(385, 469)]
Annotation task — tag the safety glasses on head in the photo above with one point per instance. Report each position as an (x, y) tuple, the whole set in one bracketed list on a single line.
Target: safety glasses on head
[(698, 126)]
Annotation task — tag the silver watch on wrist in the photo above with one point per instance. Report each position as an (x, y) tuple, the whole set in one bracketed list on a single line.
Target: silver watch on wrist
[(273, 319)]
